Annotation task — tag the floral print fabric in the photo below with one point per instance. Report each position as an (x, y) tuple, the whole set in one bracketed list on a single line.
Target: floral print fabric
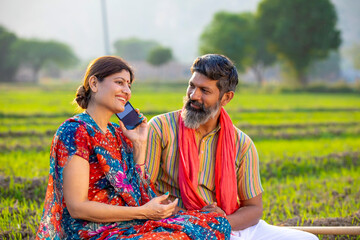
[(114, 179)]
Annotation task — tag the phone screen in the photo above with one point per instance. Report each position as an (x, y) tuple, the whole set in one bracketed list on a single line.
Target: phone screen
[(129, 117)]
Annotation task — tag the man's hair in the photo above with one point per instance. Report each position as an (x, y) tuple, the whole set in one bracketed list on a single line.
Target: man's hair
[(217, 67)]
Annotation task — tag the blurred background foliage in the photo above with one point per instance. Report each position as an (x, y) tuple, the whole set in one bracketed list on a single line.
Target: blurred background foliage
[(33, 53), (291, 44), (297, 100)]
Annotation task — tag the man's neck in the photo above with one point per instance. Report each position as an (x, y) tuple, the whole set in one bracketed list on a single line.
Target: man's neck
[(209, 126)]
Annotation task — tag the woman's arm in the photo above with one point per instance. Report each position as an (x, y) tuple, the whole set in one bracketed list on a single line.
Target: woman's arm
[(139, 155), (138, 137), (75, 188)]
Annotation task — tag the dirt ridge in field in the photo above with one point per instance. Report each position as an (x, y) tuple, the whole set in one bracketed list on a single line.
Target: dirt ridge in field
[(352, 220)]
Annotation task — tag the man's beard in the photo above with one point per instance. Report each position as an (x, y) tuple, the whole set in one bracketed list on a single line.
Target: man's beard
[(193, 117)]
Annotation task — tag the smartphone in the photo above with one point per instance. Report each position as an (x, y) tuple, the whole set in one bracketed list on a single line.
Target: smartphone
[(129, 117)]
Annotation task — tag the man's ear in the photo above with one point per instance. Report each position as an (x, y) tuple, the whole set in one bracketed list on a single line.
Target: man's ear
[(93, 84), (226, 98)]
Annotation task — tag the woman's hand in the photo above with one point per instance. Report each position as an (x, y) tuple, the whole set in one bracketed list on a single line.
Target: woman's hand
[(138, 135), (76, 187), (156, 210)]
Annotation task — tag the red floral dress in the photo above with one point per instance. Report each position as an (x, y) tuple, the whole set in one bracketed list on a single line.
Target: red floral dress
[(114, 179)]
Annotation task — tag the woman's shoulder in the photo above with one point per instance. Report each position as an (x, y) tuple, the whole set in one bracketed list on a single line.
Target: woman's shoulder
[(71, 126)]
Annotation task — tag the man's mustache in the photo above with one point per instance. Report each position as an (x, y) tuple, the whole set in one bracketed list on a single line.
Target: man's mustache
[(196, 103)]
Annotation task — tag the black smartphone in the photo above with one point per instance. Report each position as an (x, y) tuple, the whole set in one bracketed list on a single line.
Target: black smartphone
[(129, 117)]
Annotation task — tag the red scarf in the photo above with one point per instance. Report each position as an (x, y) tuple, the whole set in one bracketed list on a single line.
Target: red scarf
[(225, 176)]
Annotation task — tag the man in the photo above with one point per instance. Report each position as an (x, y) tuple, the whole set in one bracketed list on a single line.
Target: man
[(197, 154)]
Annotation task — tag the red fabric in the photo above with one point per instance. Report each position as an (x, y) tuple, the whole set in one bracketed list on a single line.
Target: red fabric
[(225, 187)]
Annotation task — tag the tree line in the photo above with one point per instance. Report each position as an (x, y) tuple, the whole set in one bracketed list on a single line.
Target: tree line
[(33, 53), (296, 33), (135, 49), (37, 54)]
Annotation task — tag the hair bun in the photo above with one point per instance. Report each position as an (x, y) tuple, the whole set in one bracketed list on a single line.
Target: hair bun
[(82, 97)]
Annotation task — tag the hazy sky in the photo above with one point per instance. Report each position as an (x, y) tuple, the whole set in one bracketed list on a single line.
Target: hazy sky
[(174, 23)]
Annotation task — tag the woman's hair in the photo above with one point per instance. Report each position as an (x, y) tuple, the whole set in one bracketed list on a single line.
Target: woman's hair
[(217, 67), (100, 68)]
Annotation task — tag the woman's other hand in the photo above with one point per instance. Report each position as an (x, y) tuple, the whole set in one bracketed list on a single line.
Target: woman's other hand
[(76, 187), (156, 209)]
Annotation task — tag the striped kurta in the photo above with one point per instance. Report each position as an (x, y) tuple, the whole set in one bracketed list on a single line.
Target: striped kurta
[(162, 160)]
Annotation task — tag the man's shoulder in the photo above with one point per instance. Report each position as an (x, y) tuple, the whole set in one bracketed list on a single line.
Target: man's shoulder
[(238, 131), (242, 137), (165, 118), (165, 124)]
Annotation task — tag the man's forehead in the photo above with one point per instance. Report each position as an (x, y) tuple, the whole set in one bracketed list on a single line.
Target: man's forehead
[(201, 79)]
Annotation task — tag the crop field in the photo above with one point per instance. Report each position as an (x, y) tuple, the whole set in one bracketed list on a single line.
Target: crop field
[(308, 144)]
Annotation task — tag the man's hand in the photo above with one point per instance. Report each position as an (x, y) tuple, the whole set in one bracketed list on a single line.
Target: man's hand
[(177, 208), (213, 208)]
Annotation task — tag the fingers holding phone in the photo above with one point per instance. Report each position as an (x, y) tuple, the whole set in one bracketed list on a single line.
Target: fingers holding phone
[(133, 124), (130, 116), (141, 116)]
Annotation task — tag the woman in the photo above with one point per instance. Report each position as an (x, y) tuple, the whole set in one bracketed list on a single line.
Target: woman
[(98, 187)]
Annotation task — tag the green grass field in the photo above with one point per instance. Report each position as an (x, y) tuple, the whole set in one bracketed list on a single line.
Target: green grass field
[(308, 146)]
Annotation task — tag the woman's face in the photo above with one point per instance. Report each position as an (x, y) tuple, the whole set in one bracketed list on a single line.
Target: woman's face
[(113, 92)]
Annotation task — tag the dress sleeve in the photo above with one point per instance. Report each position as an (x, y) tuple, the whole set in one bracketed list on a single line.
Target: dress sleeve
[(247, 168), (146, 180), (73, 139), (153, 149)]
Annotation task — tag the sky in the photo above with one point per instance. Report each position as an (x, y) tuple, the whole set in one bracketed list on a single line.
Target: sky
[(173, 23)]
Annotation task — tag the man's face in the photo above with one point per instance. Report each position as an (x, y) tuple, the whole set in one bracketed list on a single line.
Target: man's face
[(202, 101)]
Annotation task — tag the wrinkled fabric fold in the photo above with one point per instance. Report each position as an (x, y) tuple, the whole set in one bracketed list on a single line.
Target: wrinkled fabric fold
[(225, 175)]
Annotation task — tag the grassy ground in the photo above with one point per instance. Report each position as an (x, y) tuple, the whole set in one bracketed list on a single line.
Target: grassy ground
[(308, 146)]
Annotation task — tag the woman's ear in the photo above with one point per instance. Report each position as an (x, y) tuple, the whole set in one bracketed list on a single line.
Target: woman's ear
[(226, 98), (93, 84)]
